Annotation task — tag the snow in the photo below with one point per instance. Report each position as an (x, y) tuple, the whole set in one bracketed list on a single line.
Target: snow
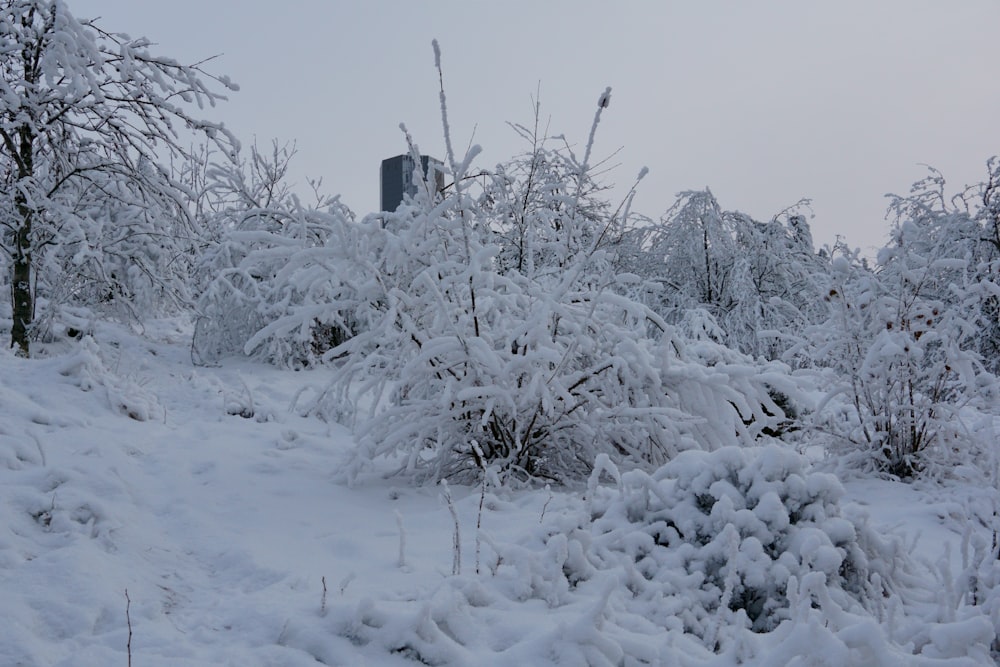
[(227, 519)]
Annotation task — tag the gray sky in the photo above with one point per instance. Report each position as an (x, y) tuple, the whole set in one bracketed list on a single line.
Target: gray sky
[(765, 102)]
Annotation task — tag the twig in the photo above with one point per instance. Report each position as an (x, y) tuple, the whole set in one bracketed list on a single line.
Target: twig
[(128, 621), (479, 521), (456, 562), (546, 505), (481, 457), (322, 603), (402, 540), (249, 395)]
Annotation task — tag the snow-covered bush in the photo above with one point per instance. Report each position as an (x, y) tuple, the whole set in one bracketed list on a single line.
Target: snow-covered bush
[(497, 332), (247, 293), (714, 541), (265, 233), (485, 365), (545, 207), (907, 341), (756, 281), (564, 384), (902, 365), (739, 556), (981, 585), (538, 373)]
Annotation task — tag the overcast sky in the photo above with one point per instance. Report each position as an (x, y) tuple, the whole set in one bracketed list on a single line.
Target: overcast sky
[(765, 102)]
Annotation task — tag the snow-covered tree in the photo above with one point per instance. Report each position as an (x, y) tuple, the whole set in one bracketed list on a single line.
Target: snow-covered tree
[(755, 282), (696, 243), (86, 116)]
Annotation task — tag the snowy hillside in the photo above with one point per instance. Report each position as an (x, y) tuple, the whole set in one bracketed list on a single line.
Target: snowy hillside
[(188, 516)]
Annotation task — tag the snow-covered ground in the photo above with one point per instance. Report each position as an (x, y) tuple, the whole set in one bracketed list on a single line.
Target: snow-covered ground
[(184, 515)]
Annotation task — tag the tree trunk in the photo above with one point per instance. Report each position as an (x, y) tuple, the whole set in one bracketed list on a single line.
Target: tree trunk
[(22, 300), (21, 297)]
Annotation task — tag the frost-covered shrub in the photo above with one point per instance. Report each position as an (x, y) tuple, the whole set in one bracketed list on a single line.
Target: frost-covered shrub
[(712, 540), (468, 363), (902, 366), (545, 207), (560, 384), (959, 238), (248, 291), (910, 343), (275, 259), (755, 281), (743, 556), (496, 331), (471, 365)]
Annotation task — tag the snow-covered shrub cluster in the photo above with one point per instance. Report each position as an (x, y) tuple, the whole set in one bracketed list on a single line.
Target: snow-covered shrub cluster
[(905, 342), (519, 319), (902, 347), (738, 556), (713, 542), (495, 336), (531, 325)]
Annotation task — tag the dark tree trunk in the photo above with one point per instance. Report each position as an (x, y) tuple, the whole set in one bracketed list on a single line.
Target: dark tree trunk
[(22, 300), (21, 297)]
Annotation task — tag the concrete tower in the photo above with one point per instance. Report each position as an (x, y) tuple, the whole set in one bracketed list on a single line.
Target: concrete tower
[(397, 178)]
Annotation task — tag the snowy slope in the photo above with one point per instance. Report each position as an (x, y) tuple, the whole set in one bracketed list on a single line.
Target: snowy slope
[(223, 514)]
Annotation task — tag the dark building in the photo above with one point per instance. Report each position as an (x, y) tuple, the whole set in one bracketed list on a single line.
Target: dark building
[(397, 178)]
